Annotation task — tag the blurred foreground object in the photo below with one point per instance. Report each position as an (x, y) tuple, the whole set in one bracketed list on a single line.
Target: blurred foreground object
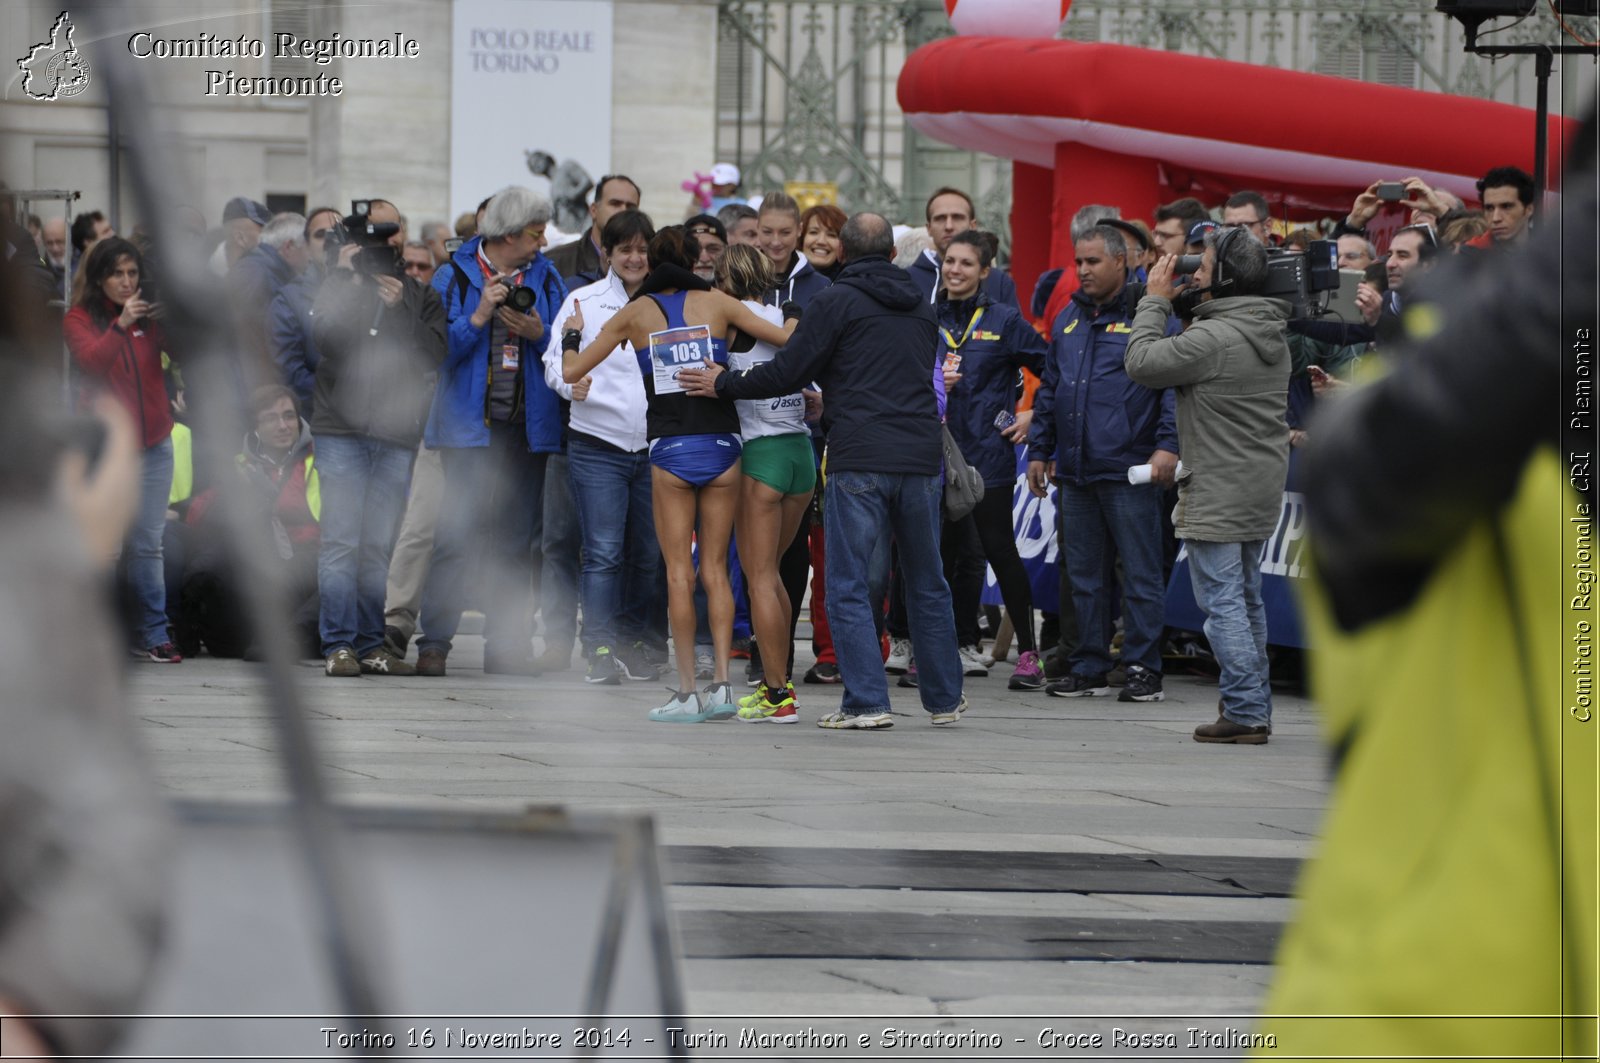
[(1452, 909), (83, 837)]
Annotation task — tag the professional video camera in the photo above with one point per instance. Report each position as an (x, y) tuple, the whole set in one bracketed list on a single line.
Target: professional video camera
[(376, 257), (1303, 278)]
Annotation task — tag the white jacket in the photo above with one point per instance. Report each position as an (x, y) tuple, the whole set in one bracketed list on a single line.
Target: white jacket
[(615, 408)]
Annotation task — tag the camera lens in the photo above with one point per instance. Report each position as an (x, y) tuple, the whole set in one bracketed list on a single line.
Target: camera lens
[(520, 299), (1187, 264)]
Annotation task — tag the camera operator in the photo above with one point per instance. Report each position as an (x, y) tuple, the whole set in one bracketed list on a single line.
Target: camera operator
[(1230, 368), (380, 335)]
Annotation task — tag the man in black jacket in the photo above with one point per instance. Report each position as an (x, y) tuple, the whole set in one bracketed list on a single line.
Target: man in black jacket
[(380, 337), (869, 342)]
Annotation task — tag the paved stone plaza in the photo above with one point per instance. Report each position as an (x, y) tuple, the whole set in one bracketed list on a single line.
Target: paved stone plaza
[(1043, 857)]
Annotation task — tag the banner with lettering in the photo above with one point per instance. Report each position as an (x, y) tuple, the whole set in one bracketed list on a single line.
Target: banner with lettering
[(1281, 559), (530, 101), (1034, 520)]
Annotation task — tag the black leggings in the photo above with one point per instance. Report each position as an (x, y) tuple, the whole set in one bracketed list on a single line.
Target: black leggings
[(987, 533), (794, 566)]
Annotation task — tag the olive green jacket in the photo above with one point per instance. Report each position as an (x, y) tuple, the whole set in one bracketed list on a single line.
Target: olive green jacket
[(1230, 369)]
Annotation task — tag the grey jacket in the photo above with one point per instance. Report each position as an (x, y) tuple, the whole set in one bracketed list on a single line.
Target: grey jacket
[(1230, 369)]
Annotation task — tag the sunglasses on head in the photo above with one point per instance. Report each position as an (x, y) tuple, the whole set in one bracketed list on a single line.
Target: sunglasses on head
[(1425, 230)]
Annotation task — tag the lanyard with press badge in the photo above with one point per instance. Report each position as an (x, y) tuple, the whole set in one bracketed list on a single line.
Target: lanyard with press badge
[(511, 350), (952, 354)]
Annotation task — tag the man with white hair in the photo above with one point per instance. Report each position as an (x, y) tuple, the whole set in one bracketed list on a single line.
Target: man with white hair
[(53, 238), (1356, 251), (434, 234), (255, 281), (495, 423)]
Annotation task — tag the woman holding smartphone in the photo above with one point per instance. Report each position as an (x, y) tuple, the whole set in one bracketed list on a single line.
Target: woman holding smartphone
[(982, 345), (115, 340)]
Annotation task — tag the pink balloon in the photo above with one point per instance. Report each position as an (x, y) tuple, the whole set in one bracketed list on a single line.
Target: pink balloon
[(1007, 18)]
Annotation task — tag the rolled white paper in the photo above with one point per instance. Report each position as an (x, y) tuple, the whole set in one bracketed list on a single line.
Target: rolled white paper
[(1140, 474)]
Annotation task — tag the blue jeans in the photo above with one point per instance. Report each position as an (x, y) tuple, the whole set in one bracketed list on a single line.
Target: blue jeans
[(863, 509), (146, 576), (1227, 585), (363, 498), (621, 558), (1095, 517), (561, 544), (491, 510)]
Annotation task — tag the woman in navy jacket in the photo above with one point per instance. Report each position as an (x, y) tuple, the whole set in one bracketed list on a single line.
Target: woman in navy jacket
[(982, 346)]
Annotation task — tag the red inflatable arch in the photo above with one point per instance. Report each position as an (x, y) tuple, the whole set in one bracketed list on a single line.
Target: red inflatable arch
[(1134, 127)]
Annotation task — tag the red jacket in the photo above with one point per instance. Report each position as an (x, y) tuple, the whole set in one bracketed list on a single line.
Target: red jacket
[(129, 364)]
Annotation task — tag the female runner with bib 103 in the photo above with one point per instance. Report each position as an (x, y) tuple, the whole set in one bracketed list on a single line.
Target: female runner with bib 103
[(677, 321)]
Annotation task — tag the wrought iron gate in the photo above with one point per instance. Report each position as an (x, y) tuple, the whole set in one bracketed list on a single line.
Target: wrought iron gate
[(806, 92)]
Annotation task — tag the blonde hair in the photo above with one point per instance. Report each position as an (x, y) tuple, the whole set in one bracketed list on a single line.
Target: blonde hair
[(774, 202), (1462, 228), (744, 272)]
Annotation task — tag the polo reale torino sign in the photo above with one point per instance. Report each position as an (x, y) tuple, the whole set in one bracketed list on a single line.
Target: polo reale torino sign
[(511, 61)]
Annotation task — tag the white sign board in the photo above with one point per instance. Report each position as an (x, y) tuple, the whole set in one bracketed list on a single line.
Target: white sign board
[(529, 76)]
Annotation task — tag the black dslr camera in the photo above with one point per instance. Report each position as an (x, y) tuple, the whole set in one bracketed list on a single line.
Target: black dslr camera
[(376, 257), (521, 299)]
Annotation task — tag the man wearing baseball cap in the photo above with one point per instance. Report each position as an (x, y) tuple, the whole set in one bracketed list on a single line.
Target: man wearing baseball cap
[(725, 178), (1197, 236), (242, 221)]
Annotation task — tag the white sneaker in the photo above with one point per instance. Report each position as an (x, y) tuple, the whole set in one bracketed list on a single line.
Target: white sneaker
[(938, 719), (899, 657), (840, 721), (680, 708), (972, 661), (717, 701)]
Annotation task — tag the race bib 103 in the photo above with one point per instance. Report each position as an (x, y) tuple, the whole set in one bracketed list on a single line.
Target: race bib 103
[(674, 350)]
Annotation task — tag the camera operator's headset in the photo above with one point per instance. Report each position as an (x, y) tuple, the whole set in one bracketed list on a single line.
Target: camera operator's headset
[(1220, 285)]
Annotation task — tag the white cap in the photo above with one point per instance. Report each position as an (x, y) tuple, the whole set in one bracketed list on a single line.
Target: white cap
[(724, 173)]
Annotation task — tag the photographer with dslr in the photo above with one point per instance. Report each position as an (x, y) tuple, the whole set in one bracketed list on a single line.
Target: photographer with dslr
[(380, 335), (1230, 369), (495, 423)]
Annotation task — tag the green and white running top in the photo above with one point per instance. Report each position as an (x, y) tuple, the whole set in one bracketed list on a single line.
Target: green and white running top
[(781, 416)]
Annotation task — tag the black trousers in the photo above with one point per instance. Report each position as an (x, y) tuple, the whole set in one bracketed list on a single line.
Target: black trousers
[(987, 535)]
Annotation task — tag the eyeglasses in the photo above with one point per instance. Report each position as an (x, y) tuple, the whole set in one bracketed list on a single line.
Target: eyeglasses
[(535, 233)]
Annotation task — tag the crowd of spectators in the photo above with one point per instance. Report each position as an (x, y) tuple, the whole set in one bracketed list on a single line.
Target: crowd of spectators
[(412, 439)]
